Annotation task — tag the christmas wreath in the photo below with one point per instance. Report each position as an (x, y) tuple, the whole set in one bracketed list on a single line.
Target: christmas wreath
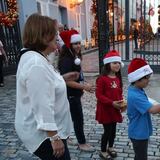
[(9, 18)]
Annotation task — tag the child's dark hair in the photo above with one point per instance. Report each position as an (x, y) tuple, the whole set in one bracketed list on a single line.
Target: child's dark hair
[(67, 52), (106, 70), (145, 77)]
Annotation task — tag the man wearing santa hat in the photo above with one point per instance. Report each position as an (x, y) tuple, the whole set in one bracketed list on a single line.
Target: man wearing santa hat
[(70, 59), (139, 107)]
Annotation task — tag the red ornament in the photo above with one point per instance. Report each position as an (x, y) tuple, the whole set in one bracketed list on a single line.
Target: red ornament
[(10, 18)]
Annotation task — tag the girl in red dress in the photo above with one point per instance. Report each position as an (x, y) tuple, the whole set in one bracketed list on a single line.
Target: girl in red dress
[(109, 102)]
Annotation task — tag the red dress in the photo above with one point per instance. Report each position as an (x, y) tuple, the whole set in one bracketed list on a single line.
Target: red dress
[(108, 90)]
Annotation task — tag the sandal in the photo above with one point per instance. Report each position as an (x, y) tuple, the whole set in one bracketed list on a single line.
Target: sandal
[(105, 155), (71, 142), (112, 152), (86, 147)]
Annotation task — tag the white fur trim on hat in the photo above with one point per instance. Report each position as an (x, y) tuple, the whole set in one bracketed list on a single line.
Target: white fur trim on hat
[(139, 73), (112, 59), (76, 38)]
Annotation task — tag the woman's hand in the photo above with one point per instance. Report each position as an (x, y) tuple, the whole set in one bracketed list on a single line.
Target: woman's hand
[(71, 76), (58, 148), (89, 88)]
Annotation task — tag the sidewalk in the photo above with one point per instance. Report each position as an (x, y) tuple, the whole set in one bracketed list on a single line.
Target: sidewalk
[(11, 147)]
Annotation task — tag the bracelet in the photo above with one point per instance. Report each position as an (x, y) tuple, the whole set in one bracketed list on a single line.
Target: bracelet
[(54, 138)]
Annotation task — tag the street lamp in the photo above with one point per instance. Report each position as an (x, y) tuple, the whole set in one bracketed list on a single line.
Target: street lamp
[(74, 3)]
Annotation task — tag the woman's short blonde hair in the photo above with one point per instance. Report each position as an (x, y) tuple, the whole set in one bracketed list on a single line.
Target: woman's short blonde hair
[(38, 32)]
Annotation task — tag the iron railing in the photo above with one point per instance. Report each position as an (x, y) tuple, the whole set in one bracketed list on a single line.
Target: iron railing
[(122, 17), (11, 39)]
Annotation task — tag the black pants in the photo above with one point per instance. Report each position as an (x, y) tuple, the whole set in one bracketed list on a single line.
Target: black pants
[(140, 149), (77, 118), (45, 151), (108, 136), (1, 68)]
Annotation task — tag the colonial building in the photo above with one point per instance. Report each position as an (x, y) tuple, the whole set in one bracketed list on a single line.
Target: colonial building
[(71, 13)]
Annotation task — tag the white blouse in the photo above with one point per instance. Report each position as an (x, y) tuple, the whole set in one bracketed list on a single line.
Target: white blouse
[(41, 101)]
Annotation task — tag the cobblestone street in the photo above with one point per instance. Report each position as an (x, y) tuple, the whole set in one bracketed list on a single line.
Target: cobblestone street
[(11, 147)]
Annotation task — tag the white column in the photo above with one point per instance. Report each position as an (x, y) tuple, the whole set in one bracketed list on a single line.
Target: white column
[(80, 22), (88, 14)]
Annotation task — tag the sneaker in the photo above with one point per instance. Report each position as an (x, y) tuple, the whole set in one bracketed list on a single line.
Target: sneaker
[(86, 147), (1, 84)]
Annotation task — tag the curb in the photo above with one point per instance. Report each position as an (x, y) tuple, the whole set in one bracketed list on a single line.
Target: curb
[(89, 51)]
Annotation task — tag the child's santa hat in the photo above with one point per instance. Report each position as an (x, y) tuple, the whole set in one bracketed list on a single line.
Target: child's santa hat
[(71, 36), (112, 56), (137, 69)]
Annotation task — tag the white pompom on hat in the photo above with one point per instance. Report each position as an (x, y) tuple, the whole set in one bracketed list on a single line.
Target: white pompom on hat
[(77, 61), (137, 69), (112, 56)]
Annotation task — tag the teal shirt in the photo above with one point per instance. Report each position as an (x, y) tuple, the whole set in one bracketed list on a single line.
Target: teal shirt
[(140, 125)]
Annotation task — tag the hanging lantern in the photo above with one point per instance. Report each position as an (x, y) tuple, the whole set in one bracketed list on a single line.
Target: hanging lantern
[(73, 3)]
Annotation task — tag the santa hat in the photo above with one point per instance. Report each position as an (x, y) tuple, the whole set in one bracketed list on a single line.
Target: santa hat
[(112, 56), (71, 36), (137, 69)]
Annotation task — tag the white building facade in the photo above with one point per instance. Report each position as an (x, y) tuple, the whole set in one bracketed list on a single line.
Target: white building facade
[(66, 12)]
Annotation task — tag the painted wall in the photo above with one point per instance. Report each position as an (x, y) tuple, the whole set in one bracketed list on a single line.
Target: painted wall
[(26, 8), (78, 17)]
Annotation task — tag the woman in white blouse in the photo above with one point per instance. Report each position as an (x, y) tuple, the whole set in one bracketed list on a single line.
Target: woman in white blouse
[(42, 120)]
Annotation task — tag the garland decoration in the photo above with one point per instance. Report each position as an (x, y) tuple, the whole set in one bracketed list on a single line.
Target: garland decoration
[(94, 30), (94, 7), (9, 19)]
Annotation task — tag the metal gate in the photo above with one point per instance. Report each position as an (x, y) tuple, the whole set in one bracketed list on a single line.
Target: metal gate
[(133, 28), (11, 39), (147, 23)]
